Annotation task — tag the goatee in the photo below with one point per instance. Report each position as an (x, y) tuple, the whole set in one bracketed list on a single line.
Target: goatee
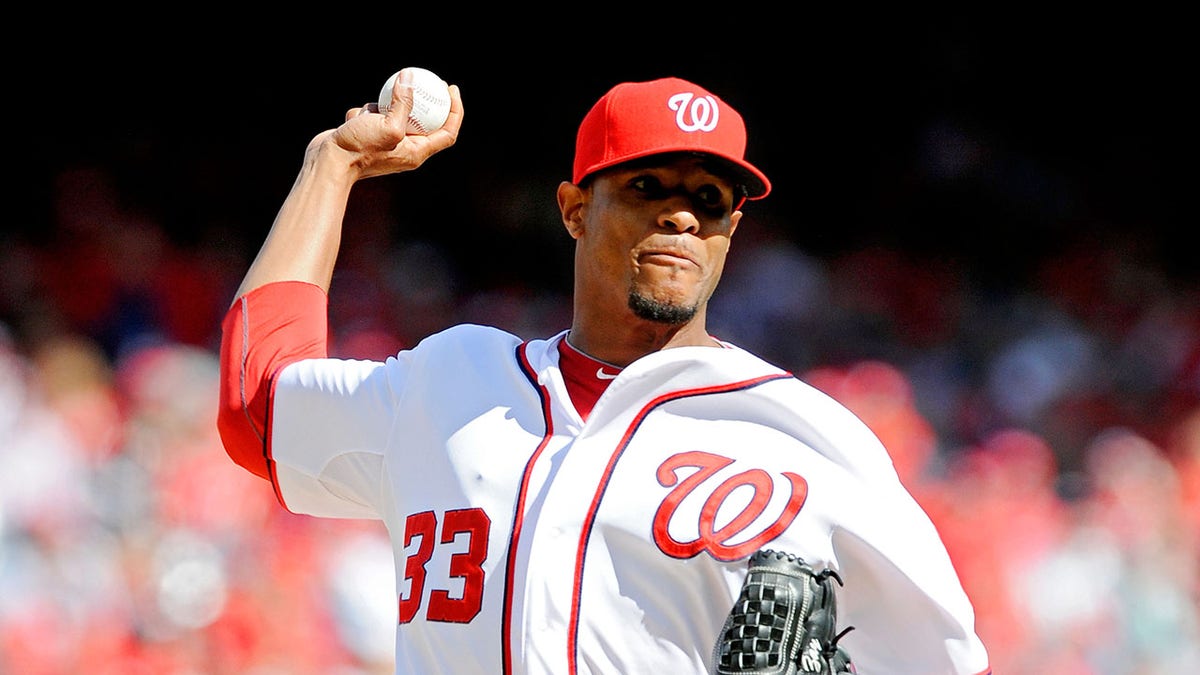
[(660, 312)]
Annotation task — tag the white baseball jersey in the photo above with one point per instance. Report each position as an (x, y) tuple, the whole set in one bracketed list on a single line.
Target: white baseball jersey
[(528, 540)]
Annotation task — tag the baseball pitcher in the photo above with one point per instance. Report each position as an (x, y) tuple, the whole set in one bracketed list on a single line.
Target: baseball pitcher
[(629, 495)]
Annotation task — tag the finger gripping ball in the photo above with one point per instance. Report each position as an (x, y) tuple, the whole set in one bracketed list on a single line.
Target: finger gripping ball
[(431, 100)]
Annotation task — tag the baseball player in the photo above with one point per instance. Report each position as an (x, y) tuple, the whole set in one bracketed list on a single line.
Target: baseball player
[(621, 497)]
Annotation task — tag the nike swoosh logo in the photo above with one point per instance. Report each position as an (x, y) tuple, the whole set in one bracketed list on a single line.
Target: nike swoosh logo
[(603, 375)]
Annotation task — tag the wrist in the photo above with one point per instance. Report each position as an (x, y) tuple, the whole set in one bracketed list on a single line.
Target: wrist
[(325, 158)]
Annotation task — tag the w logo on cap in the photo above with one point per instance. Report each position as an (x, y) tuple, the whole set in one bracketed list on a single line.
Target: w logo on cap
[(701, 115)]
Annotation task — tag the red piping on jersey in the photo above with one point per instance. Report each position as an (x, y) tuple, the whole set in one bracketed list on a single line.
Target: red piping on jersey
[(272, 465), (580, 553), (519, 510)]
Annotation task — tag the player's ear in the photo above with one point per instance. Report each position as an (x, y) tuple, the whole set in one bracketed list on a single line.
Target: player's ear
[(570, 205), (734, 219)]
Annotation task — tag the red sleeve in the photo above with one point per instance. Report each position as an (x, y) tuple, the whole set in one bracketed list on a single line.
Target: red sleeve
[(264, 330)]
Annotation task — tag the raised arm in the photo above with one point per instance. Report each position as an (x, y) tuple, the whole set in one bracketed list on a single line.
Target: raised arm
[(279, 314), (303, 242)]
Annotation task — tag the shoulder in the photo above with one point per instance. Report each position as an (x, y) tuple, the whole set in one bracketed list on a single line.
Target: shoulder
[(468, 336), (473, 347), (830, 427)]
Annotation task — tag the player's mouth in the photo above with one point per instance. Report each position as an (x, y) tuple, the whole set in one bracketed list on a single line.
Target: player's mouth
[(670, 257)]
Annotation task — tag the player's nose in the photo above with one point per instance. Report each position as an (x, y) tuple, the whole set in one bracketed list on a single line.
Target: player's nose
[(679, 218)]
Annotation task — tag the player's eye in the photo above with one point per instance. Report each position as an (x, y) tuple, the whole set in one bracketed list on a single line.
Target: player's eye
[(648, 186), (710, 197)]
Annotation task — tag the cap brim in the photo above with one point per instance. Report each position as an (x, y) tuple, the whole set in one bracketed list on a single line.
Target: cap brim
[(754, 181)]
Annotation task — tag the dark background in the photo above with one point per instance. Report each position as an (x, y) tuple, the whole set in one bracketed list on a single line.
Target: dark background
[(991, 141)]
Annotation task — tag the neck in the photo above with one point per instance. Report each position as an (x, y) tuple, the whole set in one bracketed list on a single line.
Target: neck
[(620, 344)]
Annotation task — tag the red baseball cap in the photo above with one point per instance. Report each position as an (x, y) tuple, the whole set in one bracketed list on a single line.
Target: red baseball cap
[(637, 119)]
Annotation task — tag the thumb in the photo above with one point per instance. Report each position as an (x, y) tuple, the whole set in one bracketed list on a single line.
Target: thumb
[(396, 97)]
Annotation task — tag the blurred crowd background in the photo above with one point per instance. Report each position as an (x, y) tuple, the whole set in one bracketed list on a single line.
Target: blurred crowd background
[(978, 242)]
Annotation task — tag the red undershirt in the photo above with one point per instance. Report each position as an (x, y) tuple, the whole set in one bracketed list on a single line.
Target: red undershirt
[(586, 378)]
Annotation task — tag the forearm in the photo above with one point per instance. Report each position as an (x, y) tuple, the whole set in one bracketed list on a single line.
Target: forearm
[(303, 242), (266, 329), (304, 239)]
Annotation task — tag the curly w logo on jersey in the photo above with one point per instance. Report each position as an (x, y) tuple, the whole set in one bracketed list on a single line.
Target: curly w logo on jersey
[(728, 528)]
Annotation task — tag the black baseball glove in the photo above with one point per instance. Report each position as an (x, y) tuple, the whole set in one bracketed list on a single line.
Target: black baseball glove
[(783, 623)]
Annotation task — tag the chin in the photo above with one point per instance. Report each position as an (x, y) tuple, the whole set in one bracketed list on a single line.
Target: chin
[(658, 311)]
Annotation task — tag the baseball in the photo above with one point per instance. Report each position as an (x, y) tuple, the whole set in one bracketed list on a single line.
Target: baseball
[(431, 100)]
